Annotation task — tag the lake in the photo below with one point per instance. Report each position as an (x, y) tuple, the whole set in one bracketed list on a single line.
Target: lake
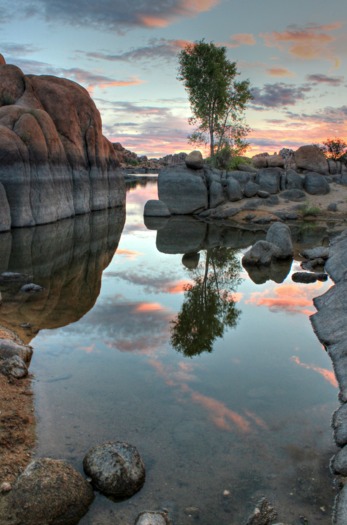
[(218, 381)]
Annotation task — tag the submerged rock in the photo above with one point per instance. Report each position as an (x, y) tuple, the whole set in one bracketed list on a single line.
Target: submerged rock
[(152, 518), (49, 491), (263, 514), (116, 469)]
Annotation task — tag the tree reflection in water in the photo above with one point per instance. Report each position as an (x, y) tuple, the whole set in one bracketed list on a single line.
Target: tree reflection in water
[(209, 305)]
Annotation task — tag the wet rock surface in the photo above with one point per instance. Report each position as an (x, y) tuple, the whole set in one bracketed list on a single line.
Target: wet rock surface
[(263, 514), (116, 469), (50, 492), (329, 324), (153, 518), (14, 367)]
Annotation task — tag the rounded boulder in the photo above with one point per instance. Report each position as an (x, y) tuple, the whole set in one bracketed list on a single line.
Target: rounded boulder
[(116, 469), (50, 491)]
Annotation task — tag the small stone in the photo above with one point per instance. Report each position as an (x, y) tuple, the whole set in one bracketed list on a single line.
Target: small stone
[(192, 512), (226, 493), (5, 487), (31, 288)]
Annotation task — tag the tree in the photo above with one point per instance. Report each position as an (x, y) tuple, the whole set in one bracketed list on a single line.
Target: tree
[(334, 148), (217, 100), (208, 305)]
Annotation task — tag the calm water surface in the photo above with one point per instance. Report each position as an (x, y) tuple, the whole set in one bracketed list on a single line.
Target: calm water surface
[(245, 408)]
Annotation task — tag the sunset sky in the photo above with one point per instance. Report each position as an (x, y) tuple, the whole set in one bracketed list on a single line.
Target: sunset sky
[(125, 53)]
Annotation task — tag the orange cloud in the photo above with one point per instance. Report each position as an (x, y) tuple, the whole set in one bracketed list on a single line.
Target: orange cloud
[(129, 254), (309, 43), (324, 372), (220, 414), (177, 287), (184, 8), (289, 298), (236, 296), (148, 307), (241, 39), (114, 83), (280, 72)]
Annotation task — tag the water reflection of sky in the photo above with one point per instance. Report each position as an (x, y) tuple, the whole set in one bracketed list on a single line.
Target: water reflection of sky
[(251, 417)]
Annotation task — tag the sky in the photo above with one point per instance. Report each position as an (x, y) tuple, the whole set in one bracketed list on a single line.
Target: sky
[(125, 53)]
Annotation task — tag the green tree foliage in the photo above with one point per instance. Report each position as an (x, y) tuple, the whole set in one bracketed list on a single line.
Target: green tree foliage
[(334, 148), (208, 305), (217, 100)]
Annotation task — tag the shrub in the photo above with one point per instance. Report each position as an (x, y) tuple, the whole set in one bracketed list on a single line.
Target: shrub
[(334, 148)]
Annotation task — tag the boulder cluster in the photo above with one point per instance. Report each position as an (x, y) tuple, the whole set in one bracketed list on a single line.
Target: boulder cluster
[(329, 324), (196, 188), (54, 160)]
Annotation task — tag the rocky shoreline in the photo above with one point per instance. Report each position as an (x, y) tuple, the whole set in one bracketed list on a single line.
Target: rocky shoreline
[(329, 324)]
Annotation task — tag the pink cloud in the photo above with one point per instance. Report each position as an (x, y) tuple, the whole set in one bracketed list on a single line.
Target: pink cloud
[(185, 8), (289, 298), (241, 39), (328, 375), (308, 43), (279, 72)]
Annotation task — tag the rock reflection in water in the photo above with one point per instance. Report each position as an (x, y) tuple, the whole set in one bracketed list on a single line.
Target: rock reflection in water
[(66, 258)]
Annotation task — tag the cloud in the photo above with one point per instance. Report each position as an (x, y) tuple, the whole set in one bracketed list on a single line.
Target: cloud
[(288, 298), (318, 78), (119, 15), (278, 95), (311, 42), (92, 80), (158, 283), (279, 72), (329, 115), (157, 48), (129, 254), (126, 325), (241, 39), (13, 49), (324, 372)]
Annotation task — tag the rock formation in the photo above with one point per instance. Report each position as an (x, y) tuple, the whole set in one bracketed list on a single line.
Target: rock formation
[(198, 189), (54, 160)]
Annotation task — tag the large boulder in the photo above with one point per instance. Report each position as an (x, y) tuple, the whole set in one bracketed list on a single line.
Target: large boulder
[(156, 208), (279, 235), (233, 189), (311, 158), (5, 213), (194, 160), (316, 184), (183, 190), (216, 194), (261, 254), (294, 181), (269, 179), (116, 469), (54, 160), (49, 491)]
